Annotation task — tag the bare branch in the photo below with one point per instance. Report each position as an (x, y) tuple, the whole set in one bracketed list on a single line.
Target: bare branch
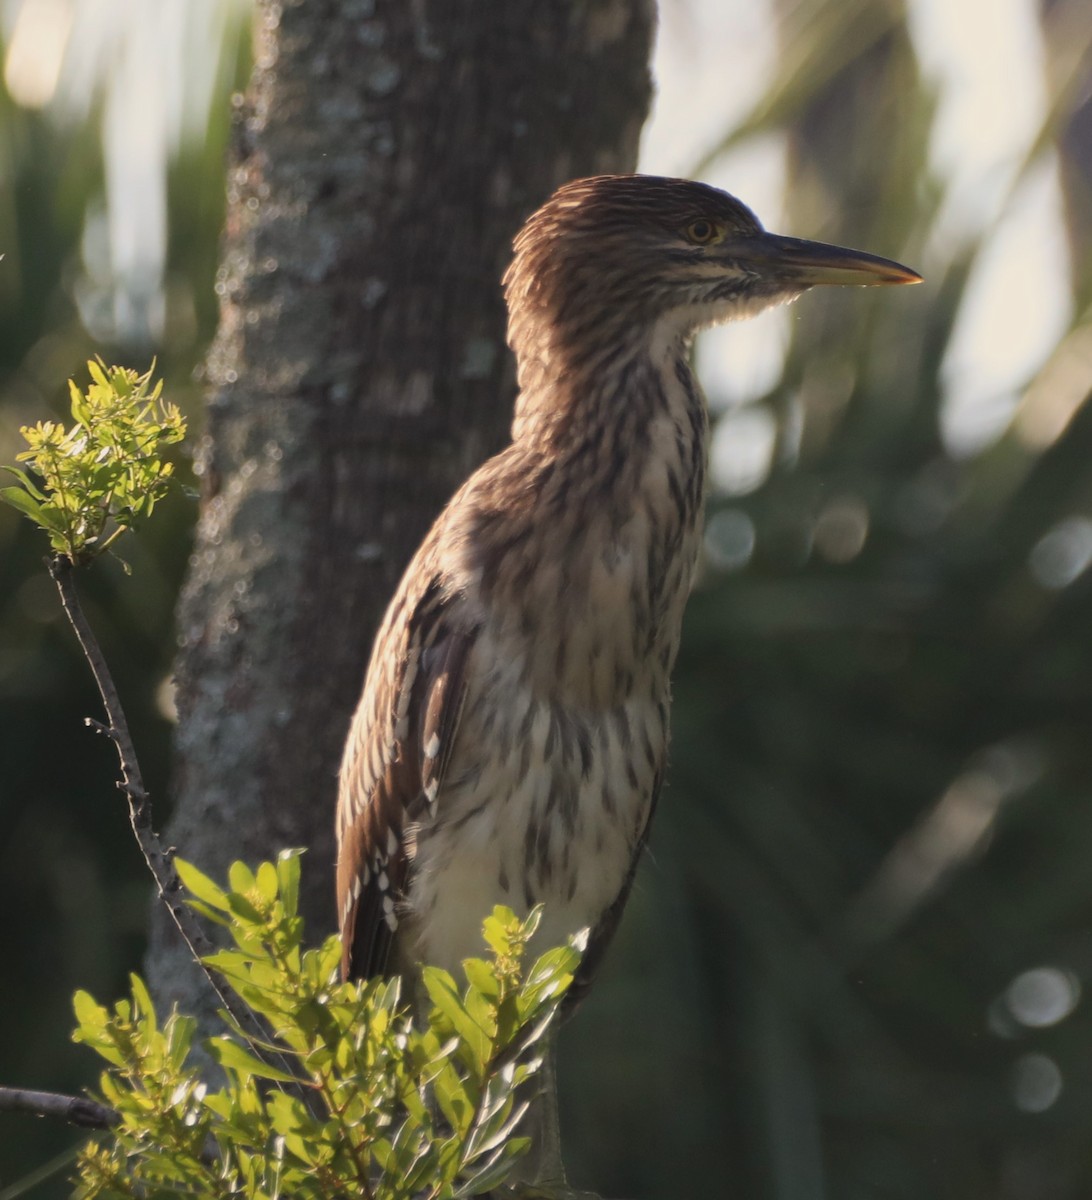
[(160, 859), (76, 1110)]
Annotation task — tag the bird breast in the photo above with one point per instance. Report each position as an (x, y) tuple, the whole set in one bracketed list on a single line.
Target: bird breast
[(584, 584), (543, 803), (573, 568)]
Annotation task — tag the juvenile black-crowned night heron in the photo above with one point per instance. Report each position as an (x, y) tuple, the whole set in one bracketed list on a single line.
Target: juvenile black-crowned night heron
[(512, 735)]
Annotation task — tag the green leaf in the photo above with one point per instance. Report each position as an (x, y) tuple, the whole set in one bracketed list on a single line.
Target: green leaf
[(381, 1151), (230, 1055), (266, 881), (95, 368), (498, 930), (210, 914), (488, 1136), (179, 1032), (495, 1171), (142, 998), (243, 909), (550, 976), (241, 877), (232, 964), (443, 993), (200, 885), (289, 1115), (480, 974), (25, 503), (28, 483), (89, 1013), (452, 1096), (288, 876), (483, 1013)]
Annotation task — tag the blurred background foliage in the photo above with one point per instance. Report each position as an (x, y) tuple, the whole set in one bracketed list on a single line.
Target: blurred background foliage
[(857, 962), (87, 270)]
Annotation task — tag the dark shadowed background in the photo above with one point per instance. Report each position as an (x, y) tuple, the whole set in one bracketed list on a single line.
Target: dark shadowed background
[(854, 965)]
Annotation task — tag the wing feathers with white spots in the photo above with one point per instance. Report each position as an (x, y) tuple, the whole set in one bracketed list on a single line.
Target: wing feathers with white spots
[(398, 749), (443, 668)]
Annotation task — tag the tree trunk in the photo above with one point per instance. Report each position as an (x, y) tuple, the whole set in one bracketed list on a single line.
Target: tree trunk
[(385, 154)]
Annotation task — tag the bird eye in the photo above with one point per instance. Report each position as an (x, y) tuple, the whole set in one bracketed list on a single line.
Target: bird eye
[(703, 233)]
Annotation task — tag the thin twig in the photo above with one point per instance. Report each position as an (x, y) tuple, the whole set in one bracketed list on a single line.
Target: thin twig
[(76, 1110), (160, 859)]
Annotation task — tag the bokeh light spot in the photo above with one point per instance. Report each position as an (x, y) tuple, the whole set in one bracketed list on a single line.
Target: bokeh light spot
[(742, 449), (841, 529), (1035, 1083), (729, 539), (1042, 996), (1063, 554)]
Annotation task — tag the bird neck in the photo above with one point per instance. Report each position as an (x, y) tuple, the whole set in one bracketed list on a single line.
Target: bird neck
[(590, 390), (596, 558)]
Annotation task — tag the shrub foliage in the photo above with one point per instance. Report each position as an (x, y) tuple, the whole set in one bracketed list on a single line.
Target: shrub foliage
[(350, 1095)]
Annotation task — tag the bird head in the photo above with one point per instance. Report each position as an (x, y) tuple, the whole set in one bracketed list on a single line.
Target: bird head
[(631, 254)]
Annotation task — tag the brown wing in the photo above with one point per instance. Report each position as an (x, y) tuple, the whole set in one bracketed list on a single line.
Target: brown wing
[(398, 749)]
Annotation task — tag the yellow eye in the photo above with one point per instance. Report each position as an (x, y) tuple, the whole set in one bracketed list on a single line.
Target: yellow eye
[(703, 232)]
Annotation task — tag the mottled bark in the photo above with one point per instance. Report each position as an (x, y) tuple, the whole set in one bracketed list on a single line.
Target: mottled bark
[(386, 152)]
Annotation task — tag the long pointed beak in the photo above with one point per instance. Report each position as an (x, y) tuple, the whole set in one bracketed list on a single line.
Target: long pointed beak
[(807, 264)]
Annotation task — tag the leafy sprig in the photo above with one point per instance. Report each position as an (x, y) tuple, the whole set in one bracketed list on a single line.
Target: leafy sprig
[(90, 482), (373, 1103)]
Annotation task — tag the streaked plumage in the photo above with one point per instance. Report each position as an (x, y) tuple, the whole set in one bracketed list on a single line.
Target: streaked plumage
[(512, 734)]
